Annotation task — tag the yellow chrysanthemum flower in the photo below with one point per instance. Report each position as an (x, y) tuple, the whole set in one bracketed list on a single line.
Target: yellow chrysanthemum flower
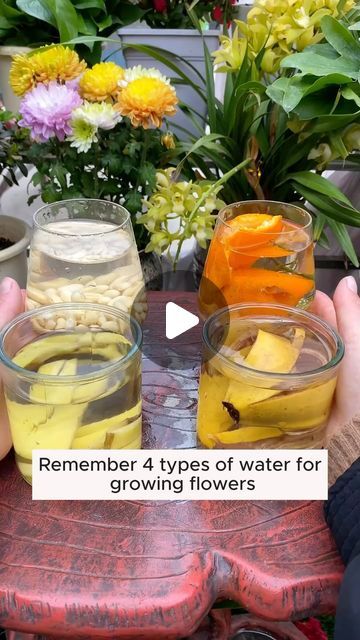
[(146, 101), (57, 63), (101, 82)]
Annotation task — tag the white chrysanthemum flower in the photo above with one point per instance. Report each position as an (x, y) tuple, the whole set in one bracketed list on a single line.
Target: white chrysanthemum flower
[(83, 134), (134, 73), (101, 115)]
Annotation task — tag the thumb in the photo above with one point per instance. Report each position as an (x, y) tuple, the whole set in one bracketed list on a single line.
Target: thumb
[(347, 307), (11, 301)]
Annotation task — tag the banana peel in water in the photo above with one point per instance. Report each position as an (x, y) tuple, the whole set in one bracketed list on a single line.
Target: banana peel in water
[(93, 435), (102, 344), (36, 426), (52, 421), (269, 353), (212, 415), (254, 405), (302, 410), (125, 436), (247, 434)]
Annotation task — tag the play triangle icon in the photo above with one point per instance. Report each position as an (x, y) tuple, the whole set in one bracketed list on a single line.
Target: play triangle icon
[(178, 320)]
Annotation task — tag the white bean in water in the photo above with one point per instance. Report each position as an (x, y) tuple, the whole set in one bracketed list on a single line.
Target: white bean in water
[(85, 261)]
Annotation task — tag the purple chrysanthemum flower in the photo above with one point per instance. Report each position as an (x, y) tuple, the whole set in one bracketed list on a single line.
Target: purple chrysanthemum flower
[(46, 110)]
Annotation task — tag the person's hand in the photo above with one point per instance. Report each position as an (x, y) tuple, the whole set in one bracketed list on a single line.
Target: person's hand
[(343, 313), (11, 304)]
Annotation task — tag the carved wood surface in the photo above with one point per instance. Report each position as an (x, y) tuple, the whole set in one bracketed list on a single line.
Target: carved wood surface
[(153, 569)]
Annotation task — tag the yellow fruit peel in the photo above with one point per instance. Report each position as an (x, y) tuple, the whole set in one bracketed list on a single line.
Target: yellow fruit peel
[(247, 434)]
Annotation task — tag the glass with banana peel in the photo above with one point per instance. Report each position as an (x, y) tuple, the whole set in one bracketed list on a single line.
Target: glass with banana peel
[(78, 387), (268, 378)]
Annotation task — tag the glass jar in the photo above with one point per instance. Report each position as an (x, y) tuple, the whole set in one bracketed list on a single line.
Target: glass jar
[(73, 388), (261, 251), (268, 378), (85, 251)]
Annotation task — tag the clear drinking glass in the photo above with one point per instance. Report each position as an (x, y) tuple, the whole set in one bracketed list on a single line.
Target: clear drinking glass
[(85, 251), (261, 251), (268, 378), (73, 388)]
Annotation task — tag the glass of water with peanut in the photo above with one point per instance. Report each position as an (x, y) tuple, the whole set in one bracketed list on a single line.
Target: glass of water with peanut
[(85, 251)]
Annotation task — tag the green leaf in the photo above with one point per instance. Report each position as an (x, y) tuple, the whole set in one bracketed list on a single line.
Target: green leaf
[(9, 12), (330, 207), (104, 23), (66, 18), (354, 27), (340, 38), (349, 94), (37, 9), (133, 202), (318, 183), (318, 65), (288, 92), (5, 24), (342, 235), (210, 87), (147, 174), (90, 4), (318, 225)]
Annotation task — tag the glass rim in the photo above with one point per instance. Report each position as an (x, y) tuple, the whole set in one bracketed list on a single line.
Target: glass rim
[(294, 207), (335, 360), (116, 227), (135, 329)]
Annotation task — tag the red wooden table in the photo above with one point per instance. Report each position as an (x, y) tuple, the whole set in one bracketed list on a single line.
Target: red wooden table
[(154, 570)]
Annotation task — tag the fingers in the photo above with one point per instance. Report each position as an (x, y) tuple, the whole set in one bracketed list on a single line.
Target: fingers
[(323, 307), (11, 300)]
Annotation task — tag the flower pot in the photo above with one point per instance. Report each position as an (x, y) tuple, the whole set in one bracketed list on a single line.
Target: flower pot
[(152, 269), (186, 43), (13, 260), (10, 100)]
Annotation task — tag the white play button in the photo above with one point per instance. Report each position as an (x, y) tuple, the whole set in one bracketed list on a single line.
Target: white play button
[(178, 320)]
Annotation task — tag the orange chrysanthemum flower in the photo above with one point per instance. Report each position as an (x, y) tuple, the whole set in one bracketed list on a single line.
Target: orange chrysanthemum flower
[(58, 64), (146, 101), (101, 82)]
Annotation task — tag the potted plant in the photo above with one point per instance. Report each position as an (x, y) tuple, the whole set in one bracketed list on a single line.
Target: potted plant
[(28, 24), (14, 242), (291, 105), (173, 26), (93, 132)]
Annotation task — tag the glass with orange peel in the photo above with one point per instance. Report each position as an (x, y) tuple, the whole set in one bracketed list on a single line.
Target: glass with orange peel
[(262, 252)]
